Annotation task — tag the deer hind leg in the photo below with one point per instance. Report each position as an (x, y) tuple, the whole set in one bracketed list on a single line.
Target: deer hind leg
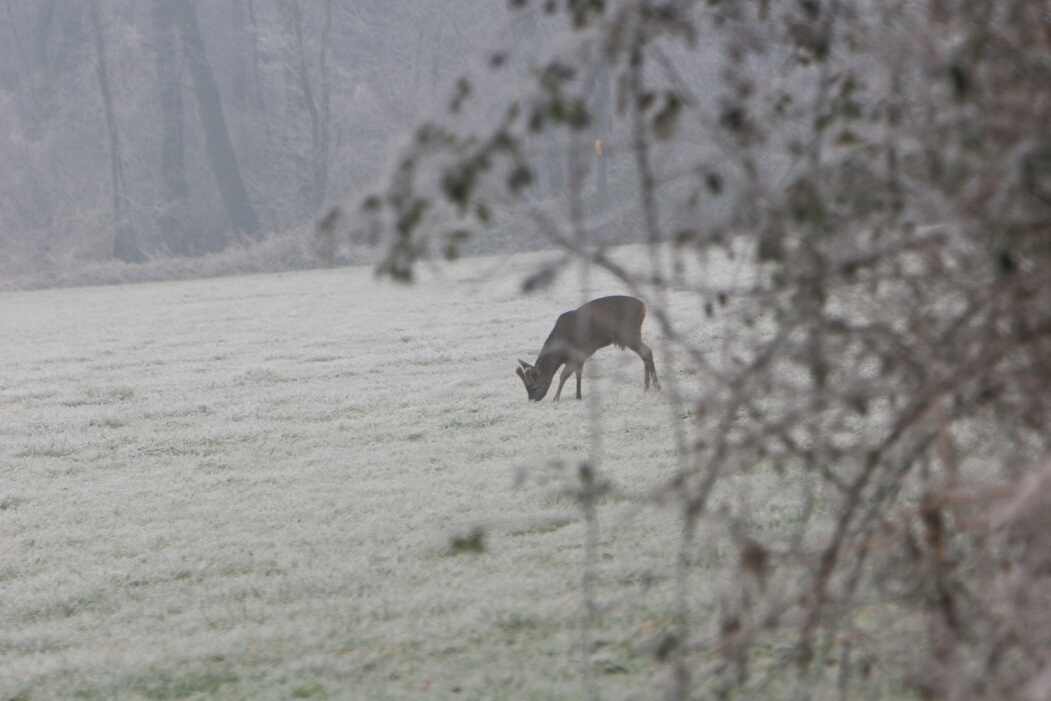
[(647, 360)]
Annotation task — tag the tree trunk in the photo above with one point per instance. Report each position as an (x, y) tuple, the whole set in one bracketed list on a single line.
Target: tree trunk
[(124, 246), (603, 115), (316, 107), (173, 172), (40, 61), (256, 83), (603, 228), (219, 149)]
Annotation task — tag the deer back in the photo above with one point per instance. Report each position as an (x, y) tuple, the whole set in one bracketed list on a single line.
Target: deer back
[(597, 324)]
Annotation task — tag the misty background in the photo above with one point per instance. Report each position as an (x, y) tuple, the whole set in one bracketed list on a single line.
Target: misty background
[(842, 491), (150, 132)]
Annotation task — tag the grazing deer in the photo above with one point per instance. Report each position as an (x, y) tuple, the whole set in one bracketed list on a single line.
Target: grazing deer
[(581, 332)]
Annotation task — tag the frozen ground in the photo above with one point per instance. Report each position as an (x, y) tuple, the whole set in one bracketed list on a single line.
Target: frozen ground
[(244, 488)]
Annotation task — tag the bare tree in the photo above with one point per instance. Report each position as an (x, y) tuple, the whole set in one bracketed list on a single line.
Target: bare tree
[(290, 102), (124, 246), (316, 103), (886, 169), (219, 148), (173, 171)]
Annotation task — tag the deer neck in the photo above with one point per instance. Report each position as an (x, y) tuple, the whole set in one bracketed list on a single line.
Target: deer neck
[(547, 364)]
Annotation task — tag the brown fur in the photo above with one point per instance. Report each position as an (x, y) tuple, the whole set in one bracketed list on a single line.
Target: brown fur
[(578, 334)]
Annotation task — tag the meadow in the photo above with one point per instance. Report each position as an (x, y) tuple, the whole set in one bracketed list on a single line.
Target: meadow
[(250, 488)]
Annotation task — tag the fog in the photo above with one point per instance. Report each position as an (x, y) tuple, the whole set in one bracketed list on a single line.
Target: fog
[(280, 485), (149, 130)]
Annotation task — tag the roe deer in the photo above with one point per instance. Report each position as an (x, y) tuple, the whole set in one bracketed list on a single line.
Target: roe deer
[(581, 332)]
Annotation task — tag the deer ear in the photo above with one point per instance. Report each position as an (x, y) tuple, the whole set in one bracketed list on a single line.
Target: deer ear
[(520, 373), (524, 364)]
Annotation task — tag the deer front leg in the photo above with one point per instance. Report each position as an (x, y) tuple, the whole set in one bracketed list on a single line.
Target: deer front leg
[(566, 372), (580, 373)]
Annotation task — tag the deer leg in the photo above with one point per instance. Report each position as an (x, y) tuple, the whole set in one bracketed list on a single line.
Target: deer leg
[(566, 372), (580, 372), (652, 369), (647, 360)]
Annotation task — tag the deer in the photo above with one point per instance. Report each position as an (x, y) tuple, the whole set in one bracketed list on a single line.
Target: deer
[(615, 320)]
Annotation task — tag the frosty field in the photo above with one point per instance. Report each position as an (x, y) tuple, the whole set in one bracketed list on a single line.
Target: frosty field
[(245, 488)]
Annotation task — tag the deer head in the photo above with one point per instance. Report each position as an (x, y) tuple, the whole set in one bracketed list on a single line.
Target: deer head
[(531, 379)]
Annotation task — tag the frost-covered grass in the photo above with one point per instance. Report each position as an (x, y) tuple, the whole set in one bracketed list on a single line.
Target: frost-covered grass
[(245, 488)]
